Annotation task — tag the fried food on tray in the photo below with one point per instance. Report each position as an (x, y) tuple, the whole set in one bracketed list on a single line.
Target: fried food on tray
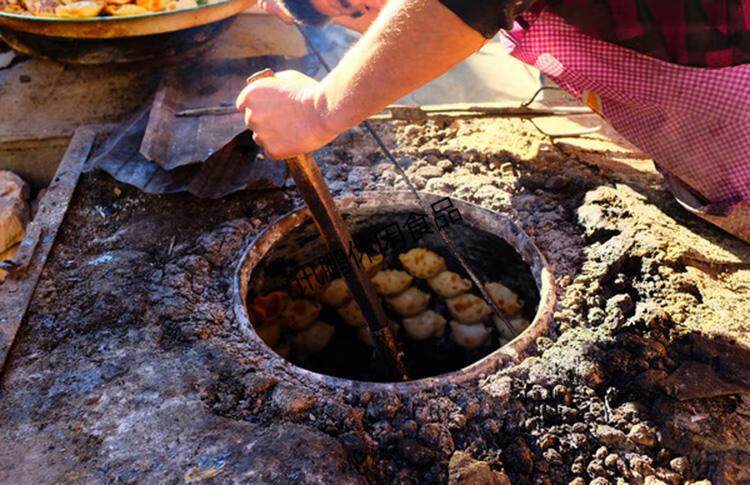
[(391, 282), (44, 8), (468, 336), (270, 334), (336, 293), (352, 314), (300, 314), (410, 302), (519, 324), (468, 308), (448, 284), (422, 263), (152, 5), (267, 308), (84, 9), (11, 6), (123, 10), (180, 4), (371, 263), (505, 298), (315, 338), (425, 325)]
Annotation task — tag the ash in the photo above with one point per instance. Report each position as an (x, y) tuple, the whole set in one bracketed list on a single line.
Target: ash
[(130, 367)]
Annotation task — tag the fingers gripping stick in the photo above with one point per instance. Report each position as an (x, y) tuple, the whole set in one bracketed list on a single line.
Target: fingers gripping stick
[(313, 189)]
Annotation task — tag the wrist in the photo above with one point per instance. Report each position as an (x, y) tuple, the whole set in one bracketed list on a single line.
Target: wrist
[(332, 118)]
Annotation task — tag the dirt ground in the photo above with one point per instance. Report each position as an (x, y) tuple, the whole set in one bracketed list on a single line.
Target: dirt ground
[(130, 367)]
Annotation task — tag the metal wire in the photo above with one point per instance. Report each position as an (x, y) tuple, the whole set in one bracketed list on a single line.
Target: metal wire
[(423, 205)]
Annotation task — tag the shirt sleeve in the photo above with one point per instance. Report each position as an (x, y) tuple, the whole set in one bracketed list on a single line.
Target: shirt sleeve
[(487, 16)]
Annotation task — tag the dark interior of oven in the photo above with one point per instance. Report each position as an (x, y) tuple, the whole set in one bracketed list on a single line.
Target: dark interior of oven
[(489, 256)]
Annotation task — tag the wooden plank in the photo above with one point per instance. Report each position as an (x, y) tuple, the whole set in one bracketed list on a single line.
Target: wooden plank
[(16, 292)]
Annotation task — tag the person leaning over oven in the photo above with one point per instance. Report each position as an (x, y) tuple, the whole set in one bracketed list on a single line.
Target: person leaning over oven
[(672, 76)]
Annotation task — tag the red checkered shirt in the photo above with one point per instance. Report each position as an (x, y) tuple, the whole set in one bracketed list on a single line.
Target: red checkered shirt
[(701, 33)]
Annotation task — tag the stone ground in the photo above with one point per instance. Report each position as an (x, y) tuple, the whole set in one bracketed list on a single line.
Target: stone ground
[(130, 367)]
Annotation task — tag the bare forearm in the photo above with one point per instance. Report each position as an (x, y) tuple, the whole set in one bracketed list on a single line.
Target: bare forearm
[(410, 43)]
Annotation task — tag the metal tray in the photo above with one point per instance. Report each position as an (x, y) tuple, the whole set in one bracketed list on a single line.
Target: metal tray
[(126, 26)]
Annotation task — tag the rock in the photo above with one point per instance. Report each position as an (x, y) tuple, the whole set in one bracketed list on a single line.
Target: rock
[(418, 181), (596, 469), (612, 461), (417, 453), (538, 393), (548, 441), (599, 481), (14, 209), (629, 411), (642, 434), (445, 165), (596, 316), (499, 388), (553, 457), (337, 186), (663, 455), (601, 453), (11, 185), (618, 307), (543, 343), (652, 480), (612, 437), (413, 131), (357, 443), (577, 481), (465, 470), (562, 394), (291, 400), (438, 438), (641, 465), (567, 413), (590, 216), (579, 428), (358, 177), (520, 457), (680, 464), (556, 182), (429, 172), (668, 476), (577, 440), (384, 405), (382, 168)]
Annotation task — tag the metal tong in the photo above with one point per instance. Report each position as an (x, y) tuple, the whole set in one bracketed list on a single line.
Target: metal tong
[(313, 189)]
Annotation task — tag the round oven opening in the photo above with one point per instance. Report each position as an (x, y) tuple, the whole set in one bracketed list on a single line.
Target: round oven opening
[(292, 297)]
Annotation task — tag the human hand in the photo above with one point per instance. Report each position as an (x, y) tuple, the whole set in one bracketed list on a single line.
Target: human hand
[(287, 114)]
